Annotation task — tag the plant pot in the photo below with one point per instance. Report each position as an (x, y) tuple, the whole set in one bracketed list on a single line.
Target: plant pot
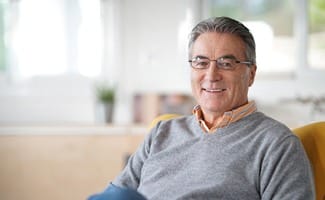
[(104, 112)]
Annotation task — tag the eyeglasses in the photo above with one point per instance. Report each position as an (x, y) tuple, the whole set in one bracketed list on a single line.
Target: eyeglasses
[(224, 63)]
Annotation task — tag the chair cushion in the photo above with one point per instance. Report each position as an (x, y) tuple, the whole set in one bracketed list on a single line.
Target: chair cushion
[(313, 139)]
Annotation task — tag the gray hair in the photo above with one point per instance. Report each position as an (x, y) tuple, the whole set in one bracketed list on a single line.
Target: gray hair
[(226, 25)]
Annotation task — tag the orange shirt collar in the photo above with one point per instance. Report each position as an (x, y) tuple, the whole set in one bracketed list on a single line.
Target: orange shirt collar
[(227, 118)]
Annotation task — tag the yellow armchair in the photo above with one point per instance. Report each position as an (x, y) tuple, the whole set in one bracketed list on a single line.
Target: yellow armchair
[(312, 137), (162, 118)]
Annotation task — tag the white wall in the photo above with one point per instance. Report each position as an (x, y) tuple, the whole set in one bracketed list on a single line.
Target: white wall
[(47, 100), (280, 98), (152, 58)]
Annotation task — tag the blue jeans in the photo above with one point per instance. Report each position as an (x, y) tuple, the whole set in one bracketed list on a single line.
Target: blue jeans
[(114, 192)]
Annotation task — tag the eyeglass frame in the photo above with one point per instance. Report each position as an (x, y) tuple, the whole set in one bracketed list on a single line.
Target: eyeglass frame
[(233, 58)]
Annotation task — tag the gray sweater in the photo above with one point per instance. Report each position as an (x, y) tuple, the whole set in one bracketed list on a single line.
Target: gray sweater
[(253, 158)]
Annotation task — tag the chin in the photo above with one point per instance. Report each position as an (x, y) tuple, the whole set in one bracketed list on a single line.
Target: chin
[(214, 108)]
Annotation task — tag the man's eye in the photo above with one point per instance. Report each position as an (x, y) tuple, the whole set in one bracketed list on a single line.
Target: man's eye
[(226, 65), (203, 63)]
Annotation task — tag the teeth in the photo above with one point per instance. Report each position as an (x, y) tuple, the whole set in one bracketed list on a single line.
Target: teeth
[(214, 90)]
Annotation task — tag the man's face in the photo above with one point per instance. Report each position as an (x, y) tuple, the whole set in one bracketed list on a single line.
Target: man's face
[(217, 90)]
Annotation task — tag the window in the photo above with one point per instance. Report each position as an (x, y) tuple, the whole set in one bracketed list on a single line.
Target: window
[(271, 23), (54, 37), (316, 51), (90, 39), (2, 40)]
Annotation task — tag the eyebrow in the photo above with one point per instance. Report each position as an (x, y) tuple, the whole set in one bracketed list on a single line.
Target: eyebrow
[(200, 56), (230, 56)]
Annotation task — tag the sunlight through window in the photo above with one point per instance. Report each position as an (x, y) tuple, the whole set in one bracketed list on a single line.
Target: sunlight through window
[(90, 39), (38, 43), (57, 37)]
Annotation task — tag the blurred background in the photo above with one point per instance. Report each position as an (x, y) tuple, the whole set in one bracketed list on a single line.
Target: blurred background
[(75, 72), (54, 52)]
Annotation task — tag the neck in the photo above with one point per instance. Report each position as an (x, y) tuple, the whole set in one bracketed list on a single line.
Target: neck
[(212, 119)]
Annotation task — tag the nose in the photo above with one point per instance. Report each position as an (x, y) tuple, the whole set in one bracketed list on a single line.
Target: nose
[(213, 73)]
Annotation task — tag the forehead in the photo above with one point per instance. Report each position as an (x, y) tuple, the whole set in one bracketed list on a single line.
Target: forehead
[(215, 45)]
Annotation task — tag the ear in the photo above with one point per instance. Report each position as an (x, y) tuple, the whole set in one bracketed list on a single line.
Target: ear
[(252, 73)]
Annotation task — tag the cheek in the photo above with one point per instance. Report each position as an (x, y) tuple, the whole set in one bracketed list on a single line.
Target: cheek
[(194, 79), (244, 78), (195, 84), (242, 85)]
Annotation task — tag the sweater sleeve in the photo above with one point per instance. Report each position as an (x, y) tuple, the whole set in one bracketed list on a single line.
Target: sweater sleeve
[(131, 174), (286, 172)]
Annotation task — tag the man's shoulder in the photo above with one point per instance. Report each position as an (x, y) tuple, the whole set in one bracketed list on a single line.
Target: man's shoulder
[(263, 120), (177, 129), (269, 127)]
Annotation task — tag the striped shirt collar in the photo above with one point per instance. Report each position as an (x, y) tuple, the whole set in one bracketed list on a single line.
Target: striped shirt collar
[(227, 118)]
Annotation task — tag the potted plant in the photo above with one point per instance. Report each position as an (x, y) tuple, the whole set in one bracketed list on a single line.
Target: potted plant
[(105, 98)]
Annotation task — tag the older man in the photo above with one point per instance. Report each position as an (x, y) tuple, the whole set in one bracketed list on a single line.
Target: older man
[(226, 149)]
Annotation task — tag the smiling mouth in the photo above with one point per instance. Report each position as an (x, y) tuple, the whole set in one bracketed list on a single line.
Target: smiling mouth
[(213, 90)]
